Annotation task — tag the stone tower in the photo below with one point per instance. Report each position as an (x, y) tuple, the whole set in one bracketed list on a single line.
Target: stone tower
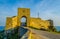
[(23, 12)]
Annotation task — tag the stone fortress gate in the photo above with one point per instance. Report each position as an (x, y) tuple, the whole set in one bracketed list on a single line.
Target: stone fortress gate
[(12, 22)]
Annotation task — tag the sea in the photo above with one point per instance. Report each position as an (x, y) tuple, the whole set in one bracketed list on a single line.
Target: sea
[(2, 28)]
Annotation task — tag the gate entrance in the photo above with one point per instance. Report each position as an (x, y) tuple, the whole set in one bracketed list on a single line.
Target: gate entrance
[(23, 17), (23, 21)]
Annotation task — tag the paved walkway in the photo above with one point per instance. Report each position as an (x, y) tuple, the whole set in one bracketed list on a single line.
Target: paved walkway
[(46, 34), (43, 34)]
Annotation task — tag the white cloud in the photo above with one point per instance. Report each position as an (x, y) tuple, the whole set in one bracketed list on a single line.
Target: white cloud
[(48, 11)]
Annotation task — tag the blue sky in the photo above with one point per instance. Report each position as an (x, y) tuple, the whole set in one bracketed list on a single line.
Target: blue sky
[(47, 9)]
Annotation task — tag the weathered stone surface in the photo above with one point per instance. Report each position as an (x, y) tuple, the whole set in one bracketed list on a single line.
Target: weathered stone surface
[(15, 21)]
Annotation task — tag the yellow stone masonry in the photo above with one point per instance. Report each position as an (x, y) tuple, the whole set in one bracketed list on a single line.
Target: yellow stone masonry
[(39, 23), (8, 23), (14, 21)]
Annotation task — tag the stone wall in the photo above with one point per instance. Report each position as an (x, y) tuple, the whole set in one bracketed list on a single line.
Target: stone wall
[(14, 21), (8, 23), (39, 23)]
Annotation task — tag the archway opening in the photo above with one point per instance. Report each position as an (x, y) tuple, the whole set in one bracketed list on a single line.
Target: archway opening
[(23, 21)]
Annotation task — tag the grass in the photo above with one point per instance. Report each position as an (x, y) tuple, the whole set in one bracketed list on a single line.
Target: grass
[(34, 28), (54, 32)]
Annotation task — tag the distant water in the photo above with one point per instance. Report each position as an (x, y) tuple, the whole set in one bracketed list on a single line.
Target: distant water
[(57, 27), (1, 28)]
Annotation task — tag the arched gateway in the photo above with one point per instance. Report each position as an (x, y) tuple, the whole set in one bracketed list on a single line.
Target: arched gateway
[(12, 22), (23, 12)]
